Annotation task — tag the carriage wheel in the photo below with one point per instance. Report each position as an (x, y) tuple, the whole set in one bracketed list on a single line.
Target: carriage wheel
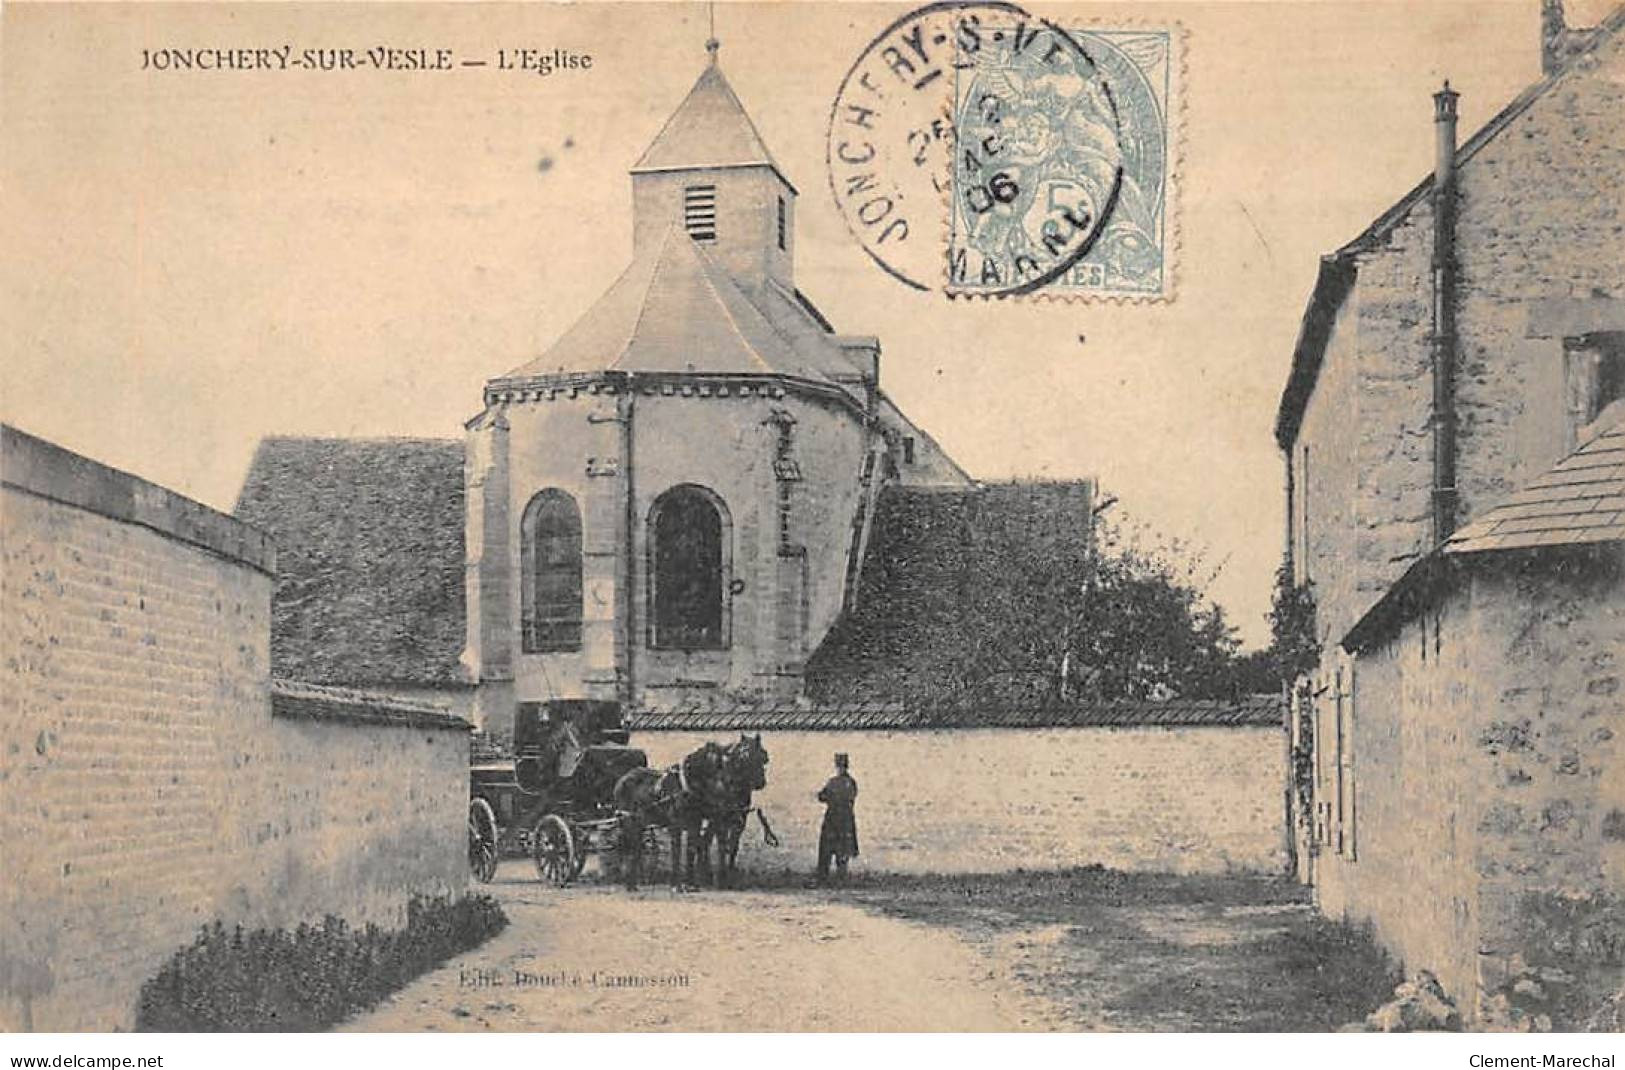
[(482, 840), (554, 847)]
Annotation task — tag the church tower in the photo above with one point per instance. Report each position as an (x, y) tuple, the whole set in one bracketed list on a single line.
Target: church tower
[(709, 173), (665, 508)]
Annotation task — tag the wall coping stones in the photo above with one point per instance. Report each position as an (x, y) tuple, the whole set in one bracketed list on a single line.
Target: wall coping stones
[(1251, 711), (298, 700), (46, 470)]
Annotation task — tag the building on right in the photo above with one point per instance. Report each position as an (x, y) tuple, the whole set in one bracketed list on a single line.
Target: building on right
[(1453, 431)]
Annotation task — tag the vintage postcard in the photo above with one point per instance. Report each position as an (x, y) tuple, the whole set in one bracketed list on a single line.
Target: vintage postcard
[(967, 517)]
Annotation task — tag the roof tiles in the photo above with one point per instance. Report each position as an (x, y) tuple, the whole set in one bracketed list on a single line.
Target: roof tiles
[(1252, 710), (710, 128), (1581, 499), (676, 310)]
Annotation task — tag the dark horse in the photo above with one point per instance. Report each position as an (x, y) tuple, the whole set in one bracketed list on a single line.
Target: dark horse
[(677, 799), (744, 770)]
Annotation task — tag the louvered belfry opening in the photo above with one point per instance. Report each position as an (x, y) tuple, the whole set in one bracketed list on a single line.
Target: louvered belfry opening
[(700, 212)]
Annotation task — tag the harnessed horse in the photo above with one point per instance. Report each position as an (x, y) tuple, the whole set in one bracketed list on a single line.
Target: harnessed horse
[(677, 799), (744, 770)]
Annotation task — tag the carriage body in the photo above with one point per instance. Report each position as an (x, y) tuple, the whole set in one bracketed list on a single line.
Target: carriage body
[(552, 797)]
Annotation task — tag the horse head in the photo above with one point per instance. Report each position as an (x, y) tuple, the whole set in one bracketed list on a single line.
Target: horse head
[(747, 763), (705, 770)]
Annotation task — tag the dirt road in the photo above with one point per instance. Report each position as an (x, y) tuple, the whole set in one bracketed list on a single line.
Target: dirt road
[(595, 958)]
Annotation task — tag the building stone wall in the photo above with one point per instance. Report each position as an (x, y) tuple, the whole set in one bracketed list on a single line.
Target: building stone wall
[(1546, 711), (1426, 838), (1537, 220), (146, 789), (781, 600), (1325, 527), (1542, 216), (1489, 838), (1193, 799)]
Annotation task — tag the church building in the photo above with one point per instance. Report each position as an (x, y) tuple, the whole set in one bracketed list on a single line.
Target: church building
[(668, 503), (669, 507)]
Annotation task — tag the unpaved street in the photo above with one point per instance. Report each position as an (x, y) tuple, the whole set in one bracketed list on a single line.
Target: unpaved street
[(595, 958), (1087, 949)]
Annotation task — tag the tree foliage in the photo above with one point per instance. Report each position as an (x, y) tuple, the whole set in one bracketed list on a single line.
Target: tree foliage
[(970, 604)]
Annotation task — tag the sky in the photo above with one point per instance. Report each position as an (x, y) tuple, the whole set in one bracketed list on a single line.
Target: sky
[(196, 260)]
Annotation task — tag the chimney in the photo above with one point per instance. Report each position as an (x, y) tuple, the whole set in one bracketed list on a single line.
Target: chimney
[(1444, 316), (1444, 127), (1554, 33)]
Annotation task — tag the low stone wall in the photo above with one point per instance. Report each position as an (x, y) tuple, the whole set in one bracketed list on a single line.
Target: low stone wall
[(1183, 799), (151, 780)]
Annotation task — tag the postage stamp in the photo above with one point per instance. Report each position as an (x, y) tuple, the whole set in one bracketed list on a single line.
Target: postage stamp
[(982, 151), (1060, 183)]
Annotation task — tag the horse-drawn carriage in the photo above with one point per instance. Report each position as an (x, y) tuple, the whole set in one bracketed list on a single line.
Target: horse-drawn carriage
[(553, 798), (573, 787)]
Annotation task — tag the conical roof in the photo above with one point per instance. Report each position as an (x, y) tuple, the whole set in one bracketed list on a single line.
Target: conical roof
[(708, 129), (676, 310)]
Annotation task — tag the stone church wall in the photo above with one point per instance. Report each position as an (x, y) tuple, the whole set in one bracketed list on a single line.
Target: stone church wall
[(150, 783), (782, 599), (1193, 799)]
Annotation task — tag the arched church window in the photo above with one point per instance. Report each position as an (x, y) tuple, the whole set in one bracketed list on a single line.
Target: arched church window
[(688, 558), (550, 588)]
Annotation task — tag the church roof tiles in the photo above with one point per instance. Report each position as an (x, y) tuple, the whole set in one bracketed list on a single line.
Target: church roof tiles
[(675, 306), (709, 129), (369, 539)]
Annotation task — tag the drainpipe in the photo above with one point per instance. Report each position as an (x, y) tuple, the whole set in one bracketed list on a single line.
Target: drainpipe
[(626, 404), (1443, 417)]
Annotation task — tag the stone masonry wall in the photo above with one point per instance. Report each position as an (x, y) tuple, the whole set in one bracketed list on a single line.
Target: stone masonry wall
[(1539, 217), (1186, 800), (1490, 830), (1542, 216), (1406, 866), (145, 788), (779, 602), (1545, 714)]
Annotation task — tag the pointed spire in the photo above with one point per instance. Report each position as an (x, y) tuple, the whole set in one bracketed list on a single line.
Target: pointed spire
[(711, 42), (708, 129)]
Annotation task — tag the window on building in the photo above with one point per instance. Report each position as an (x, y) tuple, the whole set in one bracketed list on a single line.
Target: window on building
[(700, 212), (1609, 376), (550, 588), (783, 224), (1344, 697), (908, 449), (1596, 371), (687, 551)]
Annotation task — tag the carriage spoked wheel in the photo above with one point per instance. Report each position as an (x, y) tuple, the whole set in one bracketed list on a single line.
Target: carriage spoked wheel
[(482, 841), (554, 848)]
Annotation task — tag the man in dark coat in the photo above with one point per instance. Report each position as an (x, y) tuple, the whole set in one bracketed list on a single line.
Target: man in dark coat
[(838, 838)]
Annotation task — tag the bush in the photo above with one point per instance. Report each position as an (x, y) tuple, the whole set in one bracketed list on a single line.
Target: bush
[(273, 980)]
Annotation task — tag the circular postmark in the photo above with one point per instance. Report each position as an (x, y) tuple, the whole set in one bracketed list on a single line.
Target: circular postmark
[(976, 149)]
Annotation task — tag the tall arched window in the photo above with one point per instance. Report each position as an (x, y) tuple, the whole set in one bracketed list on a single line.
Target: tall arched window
[(550, 588), (687, 559)]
